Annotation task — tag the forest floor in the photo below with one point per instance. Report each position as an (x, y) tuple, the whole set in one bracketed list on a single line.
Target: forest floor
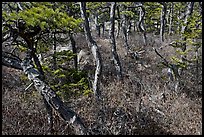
[(143, 104)]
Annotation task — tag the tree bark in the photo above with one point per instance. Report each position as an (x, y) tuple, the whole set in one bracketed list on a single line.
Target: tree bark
[(97, 24), (30, 43), (50, 97), (113, 43), (197, 66), (134, 25), (28, 37), (125, 36), (178, 23), (187, 14), (103, 28), (119, 22), (163, 20), (129, 26), (171, 18), (95, 51), (74, 50), (54, 49), (141, 22)]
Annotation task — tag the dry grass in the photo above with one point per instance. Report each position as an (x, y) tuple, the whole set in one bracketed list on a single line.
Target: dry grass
[(135, 106)]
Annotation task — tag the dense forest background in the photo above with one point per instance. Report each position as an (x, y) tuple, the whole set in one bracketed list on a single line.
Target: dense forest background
[(129, 68)]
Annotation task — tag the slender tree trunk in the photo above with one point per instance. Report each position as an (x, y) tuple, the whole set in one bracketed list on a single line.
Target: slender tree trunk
[(141, 23), (125, 36), (74, 50), (118, 28), (171, 18), (197, 63), (94, 48), (134, 25), (54, 49), (113, 43), (187, 14), (178, 22), (97, 25), (103, 28), (162, 20), (119, 22), (129, 26)]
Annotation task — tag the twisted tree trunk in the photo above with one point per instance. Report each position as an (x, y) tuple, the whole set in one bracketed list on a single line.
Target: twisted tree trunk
[(141, 22), (94, 48), (30, 43)]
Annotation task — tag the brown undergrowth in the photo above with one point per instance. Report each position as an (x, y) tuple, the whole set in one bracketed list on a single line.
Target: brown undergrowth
[(142, 104)]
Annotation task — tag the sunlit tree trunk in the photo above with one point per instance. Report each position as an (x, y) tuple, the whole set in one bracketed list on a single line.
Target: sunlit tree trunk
[(129, 26), (119, 21), (32, 50), (113, 43), (94, 48), (188, 13), (125, 34)]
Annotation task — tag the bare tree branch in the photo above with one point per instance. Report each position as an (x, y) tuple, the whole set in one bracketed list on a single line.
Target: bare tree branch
[(166, 63), (173, 67)]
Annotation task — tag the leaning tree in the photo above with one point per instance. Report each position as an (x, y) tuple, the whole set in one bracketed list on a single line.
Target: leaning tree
[(27, 26)]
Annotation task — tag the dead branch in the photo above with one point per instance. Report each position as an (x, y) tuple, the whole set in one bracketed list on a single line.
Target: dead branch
[(166, 63)]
